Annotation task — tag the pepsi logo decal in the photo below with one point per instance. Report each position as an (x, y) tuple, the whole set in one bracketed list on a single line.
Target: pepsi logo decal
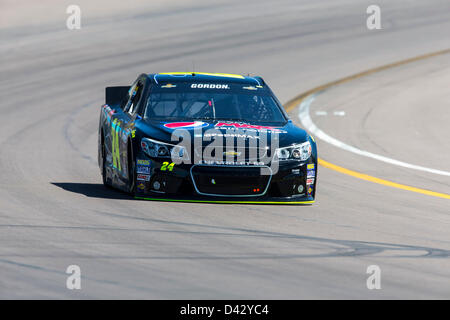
[(186, 125), (247, 126)]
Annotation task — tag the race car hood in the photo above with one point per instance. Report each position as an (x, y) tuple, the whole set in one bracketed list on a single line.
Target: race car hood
[(286, 135)]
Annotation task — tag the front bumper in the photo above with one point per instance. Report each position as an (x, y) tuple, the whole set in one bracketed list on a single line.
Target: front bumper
[(293, 182)]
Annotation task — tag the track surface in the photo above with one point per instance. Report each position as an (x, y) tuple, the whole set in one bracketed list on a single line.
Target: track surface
[(54, 211)]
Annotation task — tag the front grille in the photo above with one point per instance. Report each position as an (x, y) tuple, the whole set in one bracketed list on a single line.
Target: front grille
[(238, 181)]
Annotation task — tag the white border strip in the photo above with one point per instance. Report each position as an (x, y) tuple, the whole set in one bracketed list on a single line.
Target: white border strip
[(311, 127)]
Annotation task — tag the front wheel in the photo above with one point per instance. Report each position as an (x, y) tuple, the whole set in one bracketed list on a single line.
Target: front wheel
[(131, 171)]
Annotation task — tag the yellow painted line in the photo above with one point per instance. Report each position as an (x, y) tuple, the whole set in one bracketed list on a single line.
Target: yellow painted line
[(297, 100), (366, 177)]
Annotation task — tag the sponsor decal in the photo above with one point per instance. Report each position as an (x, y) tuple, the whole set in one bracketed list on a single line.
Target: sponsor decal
[(231, 135), (143, 177), (186, 125), (311, 173), (309, 181), (232, 163), (115, 128), (246, 126), (169, 85), (133, 90), (143, 169), (143, 162), (310, 189), (209, 86), (310, 166), (141, 186), (232, 153)]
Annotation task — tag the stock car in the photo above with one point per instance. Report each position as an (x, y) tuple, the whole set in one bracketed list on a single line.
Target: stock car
[(204, 137)]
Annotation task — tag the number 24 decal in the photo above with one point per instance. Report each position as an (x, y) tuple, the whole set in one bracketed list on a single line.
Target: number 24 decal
[(167, 166)]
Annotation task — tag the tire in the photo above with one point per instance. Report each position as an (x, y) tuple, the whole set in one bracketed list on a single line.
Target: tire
[(104, 179), (131, 170)]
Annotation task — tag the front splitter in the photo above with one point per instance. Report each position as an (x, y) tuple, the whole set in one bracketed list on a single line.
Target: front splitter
[(216, 200)]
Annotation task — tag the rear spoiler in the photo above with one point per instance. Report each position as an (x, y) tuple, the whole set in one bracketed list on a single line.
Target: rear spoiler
[(115, 95)]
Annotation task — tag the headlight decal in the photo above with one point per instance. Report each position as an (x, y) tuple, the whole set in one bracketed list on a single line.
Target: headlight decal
[(295, 152), (159, 149)]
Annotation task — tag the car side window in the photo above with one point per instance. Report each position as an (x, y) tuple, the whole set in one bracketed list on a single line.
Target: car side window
[(134, 96), (124, 103)]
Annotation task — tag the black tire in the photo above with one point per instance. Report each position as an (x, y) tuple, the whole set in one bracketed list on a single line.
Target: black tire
[(131, 170), (104, 179)]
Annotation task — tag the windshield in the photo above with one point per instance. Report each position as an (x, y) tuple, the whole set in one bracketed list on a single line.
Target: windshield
[(213, 102)]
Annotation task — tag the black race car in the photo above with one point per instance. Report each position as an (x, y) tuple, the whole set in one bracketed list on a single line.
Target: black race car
[(204, 137)]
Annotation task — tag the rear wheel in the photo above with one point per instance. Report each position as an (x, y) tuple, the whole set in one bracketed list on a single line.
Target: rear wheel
[(104, 178)]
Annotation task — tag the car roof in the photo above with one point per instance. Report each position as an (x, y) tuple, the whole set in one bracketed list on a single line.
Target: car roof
[(205, 77)]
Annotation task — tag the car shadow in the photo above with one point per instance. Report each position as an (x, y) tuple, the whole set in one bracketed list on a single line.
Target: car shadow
[(92, 190), (98, 190)]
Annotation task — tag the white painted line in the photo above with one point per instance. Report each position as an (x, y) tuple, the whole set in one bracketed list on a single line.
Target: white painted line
[(311, 127), (321, 113), (339, 113)]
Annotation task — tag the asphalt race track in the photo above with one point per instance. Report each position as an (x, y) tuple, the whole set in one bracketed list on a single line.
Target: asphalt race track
[(54, 211)]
